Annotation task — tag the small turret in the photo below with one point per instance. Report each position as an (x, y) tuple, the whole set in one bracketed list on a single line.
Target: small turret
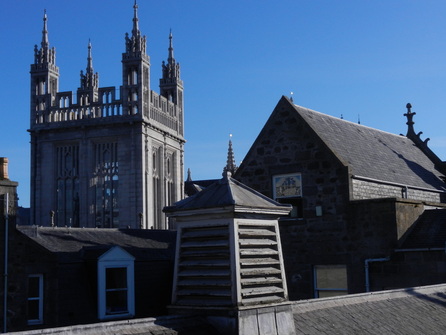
[(88, 90), (44, 77), (136, 44), (171, 86), (135, 71)]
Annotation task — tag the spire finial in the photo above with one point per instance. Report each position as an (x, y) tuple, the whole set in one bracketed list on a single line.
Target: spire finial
[(135, 30), (89, 58), (410, 123), (170, 58), (45, 42), (230, 163)]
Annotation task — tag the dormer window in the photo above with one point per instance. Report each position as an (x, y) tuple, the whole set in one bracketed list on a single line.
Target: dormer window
[(116, 291)]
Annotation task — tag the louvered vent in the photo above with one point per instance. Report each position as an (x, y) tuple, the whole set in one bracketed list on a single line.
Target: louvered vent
[(260, 266), (204, 269)]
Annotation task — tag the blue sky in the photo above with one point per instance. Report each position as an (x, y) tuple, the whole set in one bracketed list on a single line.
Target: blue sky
[(356, 58)]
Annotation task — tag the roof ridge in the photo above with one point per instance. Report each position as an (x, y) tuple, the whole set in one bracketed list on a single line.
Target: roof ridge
[(351, 122)]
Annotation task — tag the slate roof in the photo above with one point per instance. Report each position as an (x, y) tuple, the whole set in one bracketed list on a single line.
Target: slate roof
[(412, 311), (419, 310), (81, 243), (164, 325), (373, 153), (227, 192), (429, 231), (195, 186)]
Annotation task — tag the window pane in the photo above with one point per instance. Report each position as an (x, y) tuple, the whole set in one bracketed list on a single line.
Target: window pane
[(33, 309), (331, 276), (116, 278), (33, 287), (116, 302)]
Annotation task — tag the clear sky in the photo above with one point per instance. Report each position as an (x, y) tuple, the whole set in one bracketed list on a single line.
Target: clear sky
[(352, 58)]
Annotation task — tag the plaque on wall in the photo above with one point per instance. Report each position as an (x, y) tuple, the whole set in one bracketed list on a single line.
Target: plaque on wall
[(287, 185)]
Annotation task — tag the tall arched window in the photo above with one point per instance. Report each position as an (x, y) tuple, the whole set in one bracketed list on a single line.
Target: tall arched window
[(67, 211), (106, 185)]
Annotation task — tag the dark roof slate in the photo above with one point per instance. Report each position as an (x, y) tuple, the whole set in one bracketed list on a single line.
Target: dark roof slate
[(420, 310), (373, 153), (76, 243), (429, 231)]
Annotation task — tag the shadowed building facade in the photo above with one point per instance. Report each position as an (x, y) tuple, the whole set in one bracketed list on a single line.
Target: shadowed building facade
[(104, 156), (368, 206)]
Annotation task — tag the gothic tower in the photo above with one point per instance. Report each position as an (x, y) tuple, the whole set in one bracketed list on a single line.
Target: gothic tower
[(102, 158)]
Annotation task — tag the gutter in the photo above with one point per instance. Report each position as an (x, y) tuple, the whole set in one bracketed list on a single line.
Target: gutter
[(366, 266), (5, 274)]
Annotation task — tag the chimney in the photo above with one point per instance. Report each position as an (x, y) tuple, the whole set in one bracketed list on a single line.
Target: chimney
[(4, 168)]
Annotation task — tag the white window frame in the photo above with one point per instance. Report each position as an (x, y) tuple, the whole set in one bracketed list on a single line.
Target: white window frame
[(39, 298), (116, 257)]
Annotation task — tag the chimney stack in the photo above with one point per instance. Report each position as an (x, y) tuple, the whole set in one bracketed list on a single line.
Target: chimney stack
[(4, 168)]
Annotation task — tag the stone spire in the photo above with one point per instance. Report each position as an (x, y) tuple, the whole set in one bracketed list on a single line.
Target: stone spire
[(89, 79), (135, 31), (135, 43), (45, 43), (230, 163), (44, 55), (171, 70)]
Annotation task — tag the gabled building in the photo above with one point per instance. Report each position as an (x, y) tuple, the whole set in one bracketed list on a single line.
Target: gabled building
[(356, 192), (67, 276), (106, 157)]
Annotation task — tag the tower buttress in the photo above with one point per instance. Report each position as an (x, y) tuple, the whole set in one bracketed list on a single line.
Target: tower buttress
[(135, 71), (171, 86), (88, 90), (44, 77)]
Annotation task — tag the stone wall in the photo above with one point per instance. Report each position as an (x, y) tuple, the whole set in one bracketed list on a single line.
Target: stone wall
[(363, 189)]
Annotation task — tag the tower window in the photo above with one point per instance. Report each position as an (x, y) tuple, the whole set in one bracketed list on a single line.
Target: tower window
[(67, 162), (107, 185)]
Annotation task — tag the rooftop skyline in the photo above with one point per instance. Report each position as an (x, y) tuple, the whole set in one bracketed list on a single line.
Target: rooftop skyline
[(356, 60)]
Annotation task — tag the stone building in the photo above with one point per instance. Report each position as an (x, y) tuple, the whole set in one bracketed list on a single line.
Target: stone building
[(363, 199), (61, 276), (104, 156)]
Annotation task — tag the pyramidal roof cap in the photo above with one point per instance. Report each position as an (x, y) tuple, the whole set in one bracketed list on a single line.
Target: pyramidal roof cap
[(230, 193)]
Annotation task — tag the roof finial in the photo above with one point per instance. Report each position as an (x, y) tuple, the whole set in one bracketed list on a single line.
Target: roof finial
[(291, 96), (410, 123), (230, 163)]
